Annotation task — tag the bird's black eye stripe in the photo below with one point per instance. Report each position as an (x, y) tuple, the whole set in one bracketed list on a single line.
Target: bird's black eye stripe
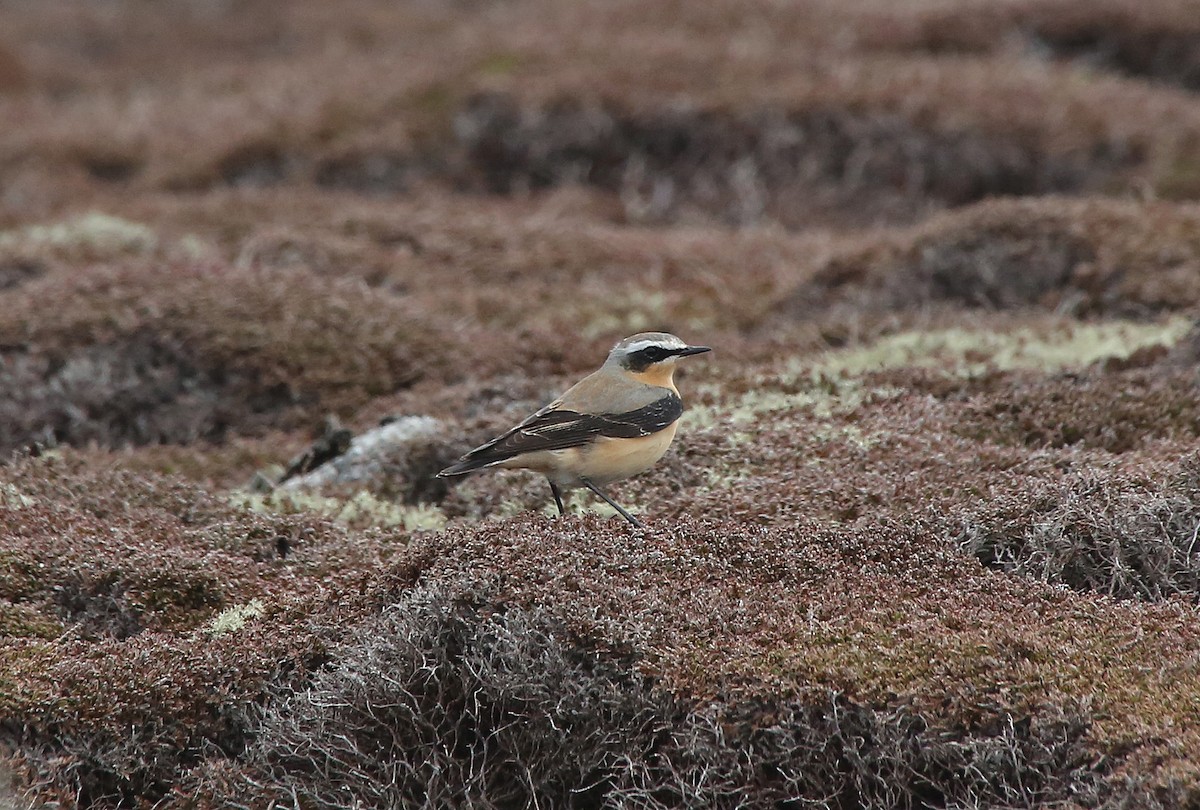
[(643, 358)]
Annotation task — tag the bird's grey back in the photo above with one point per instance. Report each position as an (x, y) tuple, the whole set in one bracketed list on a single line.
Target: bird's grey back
[(609, 390)]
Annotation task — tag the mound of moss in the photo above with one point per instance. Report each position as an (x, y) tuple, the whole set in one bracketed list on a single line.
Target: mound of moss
[(1085, 257), (141, 354)]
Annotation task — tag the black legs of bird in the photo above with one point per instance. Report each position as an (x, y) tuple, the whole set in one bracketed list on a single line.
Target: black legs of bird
[(557, 498), (598, 491), (611, 502)]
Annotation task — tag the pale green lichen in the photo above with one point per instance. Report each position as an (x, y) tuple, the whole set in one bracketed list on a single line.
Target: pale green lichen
[(233, 619), (422, 517), (818, 399), (850, 435), (972, 352), (13, 498), (636, 310), (363, 510), (195, 248), (628, 314), (723, 477), (94, 236), (830, 383), (825, 388)]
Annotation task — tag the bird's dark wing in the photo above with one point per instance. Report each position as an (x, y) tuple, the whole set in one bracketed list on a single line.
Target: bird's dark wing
[(555, 429)]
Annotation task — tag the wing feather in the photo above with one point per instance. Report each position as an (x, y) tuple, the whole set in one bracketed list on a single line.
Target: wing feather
[(554, 428)]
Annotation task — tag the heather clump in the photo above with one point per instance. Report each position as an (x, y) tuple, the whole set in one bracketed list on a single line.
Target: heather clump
[(528, 713), (1123, 533)]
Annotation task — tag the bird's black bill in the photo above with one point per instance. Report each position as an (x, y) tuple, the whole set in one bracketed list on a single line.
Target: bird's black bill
[(692, 350)]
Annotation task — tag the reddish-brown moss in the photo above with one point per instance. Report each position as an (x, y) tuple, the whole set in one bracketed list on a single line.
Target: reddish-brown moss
[(109, 586), (1115, 412)]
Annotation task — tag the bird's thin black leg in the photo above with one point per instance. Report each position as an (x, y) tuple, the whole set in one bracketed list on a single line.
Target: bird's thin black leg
[(611, 503), (557, 498)]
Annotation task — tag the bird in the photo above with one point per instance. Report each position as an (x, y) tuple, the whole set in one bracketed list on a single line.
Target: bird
[(611, 425)]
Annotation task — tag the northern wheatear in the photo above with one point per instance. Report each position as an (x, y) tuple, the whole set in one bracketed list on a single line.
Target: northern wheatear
[(614, 423)]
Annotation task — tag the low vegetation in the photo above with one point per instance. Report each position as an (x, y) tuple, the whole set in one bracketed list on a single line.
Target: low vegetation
[(928, 535)]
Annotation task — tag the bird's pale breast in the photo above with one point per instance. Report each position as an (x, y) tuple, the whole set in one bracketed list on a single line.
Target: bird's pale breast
[(601, 462), (609, 460)]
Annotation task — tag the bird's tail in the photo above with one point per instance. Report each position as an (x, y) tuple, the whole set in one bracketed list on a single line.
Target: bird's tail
[(465, 466)]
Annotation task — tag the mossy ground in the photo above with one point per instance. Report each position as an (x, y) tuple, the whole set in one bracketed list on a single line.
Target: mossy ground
[(927, 536)]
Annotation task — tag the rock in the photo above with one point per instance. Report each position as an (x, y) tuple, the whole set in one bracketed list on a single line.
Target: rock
[(399, 458)]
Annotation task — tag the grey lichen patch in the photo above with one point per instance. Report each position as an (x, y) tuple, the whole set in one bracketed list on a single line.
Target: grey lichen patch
[(233, 619)]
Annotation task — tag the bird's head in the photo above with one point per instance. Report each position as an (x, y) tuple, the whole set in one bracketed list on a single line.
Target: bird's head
[(651, 356)]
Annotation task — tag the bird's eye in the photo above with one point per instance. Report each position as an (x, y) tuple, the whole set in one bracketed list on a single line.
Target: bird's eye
[(656, 353)]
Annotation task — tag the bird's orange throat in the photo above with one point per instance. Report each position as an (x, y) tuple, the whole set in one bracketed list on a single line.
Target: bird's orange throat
[(660, 374)]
